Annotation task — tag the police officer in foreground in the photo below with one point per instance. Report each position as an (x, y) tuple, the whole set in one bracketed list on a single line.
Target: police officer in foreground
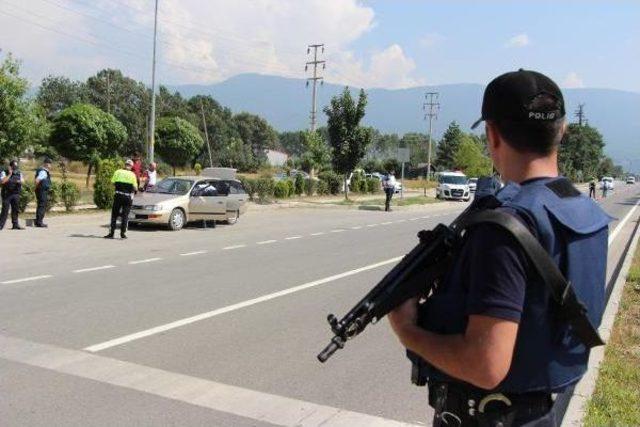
[(496, 346), (11, 181), (126, 185), (43, 185)]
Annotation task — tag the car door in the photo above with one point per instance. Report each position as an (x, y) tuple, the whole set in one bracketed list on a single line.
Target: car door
[(206, 203), (237, 198)]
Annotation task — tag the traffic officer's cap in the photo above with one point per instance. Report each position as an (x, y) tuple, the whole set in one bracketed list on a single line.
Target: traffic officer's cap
[(128, 162), (512, 96)]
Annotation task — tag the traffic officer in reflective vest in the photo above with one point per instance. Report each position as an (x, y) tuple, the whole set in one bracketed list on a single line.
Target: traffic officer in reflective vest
[(43, 184), (495, 344), (126, 185)]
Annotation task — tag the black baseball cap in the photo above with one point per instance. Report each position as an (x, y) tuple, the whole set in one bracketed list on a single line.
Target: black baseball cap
[(513, 96)]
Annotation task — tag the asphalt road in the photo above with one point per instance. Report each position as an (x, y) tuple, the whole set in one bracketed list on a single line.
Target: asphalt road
[(212, 327)]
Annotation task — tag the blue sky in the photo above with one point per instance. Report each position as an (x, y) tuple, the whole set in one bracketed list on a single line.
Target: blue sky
[(374, 43)]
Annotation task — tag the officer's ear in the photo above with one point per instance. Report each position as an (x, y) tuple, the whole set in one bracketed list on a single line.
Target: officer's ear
[(493, 136)]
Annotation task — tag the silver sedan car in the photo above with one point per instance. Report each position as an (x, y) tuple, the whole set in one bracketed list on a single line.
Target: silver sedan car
[(175, 201)]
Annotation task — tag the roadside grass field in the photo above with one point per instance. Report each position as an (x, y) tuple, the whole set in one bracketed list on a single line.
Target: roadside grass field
[(396, 201), (616, 400)]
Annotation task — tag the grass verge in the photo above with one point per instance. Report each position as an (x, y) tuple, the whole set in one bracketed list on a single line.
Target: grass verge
[(617, 393)]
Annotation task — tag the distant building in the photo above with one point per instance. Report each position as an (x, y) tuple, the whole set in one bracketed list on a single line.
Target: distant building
[(276, 158)]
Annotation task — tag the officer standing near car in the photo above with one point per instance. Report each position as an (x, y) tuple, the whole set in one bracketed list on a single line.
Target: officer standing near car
[(495, 344), (126, 185), (11, 181), (43, 185), (389, 185)]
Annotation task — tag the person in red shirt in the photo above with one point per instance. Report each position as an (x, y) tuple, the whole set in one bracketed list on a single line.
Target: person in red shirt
[(137, 166)]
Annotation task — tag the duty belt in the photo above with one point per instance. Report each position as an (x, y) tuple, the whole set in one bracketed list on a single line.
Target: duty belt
[(124, 194), (460, 405)]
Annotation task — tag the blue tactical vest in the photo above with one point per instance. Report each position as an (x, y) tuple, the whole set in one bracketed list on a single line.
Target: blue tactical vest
[(45, 184), (574, 231)]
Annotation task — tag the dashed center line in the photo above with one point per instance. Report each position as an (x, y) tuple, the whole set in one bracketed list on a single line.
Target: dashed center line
[(414, 219), (26, 279), (228, 248), (266, 242), (401, 220), (144, 261), (357, 227), (339, 230), (319, 233), (293, 237), (193, 253), (86, 270), (386, 223), (372, 225)]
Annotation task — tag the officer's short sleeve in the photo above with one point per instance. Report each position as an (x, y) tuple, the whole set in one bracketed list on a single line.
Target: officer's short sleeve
[(496, 273)]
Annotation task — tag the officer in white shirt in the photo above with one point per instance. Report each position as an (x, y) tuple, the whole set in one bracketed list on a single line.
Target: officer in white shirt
[(389, 185)]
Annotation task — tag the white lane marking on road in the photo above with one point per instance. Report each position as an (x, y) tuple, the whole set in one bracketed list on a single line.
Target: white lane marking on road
[(320, 233), (228, 248), (338, 230), (372, 225), (264, 407), (401, 220), (613, 235), (26, 279), (193, 253), (414, 219), (293, 238), (86, 270), (426, 217), (266, 242), (386, 223), (357, 227), (144, 261), (183, 322)]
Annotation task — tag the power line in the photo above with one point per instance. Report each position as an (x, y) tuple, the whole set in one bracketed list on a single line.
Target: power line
[(432, 107), (315, 79)]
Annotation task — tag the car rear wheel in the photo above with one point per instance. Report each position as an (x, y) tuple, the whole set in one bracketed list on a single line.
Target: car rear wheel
[(233, 218), (176, 219)]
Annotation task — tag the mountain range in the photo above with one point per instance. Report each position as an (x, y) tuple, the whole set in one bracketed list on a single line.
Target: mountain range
[(286, 104)]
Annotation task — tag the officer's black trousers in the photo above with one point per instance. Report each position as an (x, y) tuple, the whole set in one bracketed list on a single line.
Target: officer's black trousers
[(41, 198), (121, 207), (387, 202), (10, 201)]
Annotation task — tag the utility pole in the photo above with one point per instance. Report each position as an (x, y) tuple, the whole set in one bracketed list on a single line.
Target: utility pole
[(206, 133), (315, 78), (152, 125), (580, 114), (431, 106), (108, 92)]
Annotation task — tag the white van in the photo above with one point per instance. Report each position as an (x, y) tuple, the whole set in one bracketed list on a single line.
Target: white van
[(453, 185)]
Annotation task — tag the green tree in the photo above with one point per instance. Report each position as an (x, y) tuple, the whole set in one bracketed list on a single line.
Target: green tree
[(448, 146), (349, 140), (255, 132), (581, 152), (316, 152), (472, 160), (86, 133), (127, 99), (58, 92), (15, 122), (292, 143), (178, 142)]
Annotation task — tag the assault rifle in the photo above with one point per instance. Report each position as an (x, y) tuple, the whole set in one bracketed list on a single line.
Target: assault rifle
[(416, 275)]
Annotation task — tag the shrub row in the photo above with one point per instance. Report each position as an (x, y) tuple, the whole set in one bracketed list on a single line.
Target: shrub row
[(66, 193)]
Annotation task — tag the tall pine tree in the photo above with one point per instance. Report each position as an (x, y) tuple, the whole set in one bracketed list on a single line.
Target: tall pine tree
[(448, 146)]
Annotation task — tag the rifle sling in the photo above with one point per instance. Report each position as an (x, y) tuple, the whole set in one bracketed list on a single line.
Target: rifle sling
[(572, 309)]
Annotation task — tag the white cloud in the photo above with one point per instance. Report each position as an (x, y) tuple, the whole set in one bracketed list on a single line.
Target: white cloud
[(573, 81), (519, 40), (204, 42), (431, 39), (389, 68)]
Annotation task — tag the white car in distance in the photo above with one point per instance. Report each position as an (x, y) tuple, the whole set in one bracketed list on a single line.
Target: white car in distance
[(453, 186)]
